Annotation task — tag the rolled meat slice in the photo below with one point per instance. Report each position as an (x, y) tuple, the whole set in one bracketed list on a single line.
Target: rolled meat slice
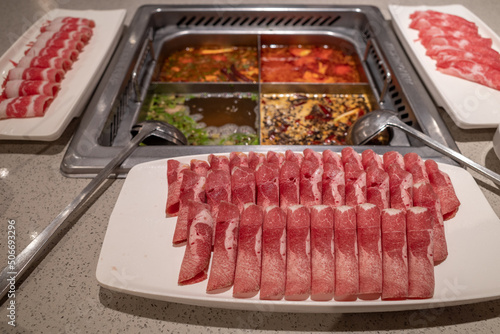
[(393, 157), (298, 255), (400, 187), (293, 156), (424, 196), (58, 43), (394, 255), (267, 184), (72, 35), (242, 186), (217, 189), (441, 183), (355, 184), (34, 73), (289, 184), (275, 158), (73, 20), (192, 189), (420, 253), (68, 27), (237, 159), (174, 181), (377, 186), (333, 183), (273, 277), (225, 247), (311, 173), (16, 88), (255, 158), (249, 258), (70, 54), (45, 62), (369, 251), (346, 254), (194, 267), (200, 167), (416, 166), (24, 106), (219, 162), (369, 158), (349, 155), (322, 253)]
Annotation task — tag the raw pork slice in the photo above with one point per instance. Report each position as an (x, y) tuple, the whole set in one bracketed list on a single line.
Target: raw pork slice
[(441, 183), (219, 162), (377, 186), (355, 184), (273, 277), (311, 173), (322, 253), (255, 158), (249, 258), (369, 251), (400, 187), (420, 253), (394, 255), (424, 196), (298, 255), (267, 184), (346, 254), (24, 106), (242, 186), (289, 184), (174, 181), (225, 247), (194, 267), (34, 73), (16, 88)]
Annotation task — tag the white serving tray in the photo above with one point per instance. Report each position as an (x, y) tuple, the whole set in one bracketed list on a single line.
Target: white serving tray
[(137, 256), (79, 82), (470, 105)]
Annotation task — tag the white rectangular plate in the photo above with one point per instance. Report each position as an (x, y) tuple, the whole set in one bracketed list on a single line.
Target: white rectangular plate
[(137, 256), (79, 82), (469, 104)]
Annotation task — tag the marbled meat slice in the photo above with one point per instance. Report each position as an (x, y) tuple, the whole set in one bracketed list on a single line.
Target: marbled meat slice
[(369, 158), (293, 156), (349, 155), (400, 187), (346, 254), (70, 54), (16, 88), (394, 255), (219, 162), (242, 186), (249, 258), (255, 158), (377, 186), (267, 184), (311, 173), (472, 71), (420, 253), (298, 254), (322, 253), (369, 251), (194, 267), (430, 18), (174, 181), (45, 62), (34, 73), (289, 184), (393, 157), (24, 106), (441, 183), (225, 247), (273, 277), (237, 159), (355, 184), (73, 20), (416, 166), (200, 167), (275, 158), (218, 189)]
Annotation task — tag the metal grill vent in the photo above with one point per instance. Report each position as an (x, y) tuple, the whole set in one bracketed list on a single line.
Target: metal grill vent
[(206, 21)]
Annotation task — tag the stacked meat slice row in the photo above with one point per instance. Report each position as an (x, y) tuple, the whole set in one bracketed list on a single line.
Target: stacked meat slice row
[(457, 47), (34, 82), (312, 225)]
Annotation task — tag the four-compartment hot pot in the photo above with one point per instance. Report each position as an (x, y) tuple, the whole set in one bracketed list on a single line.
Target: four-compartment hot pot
[(162, 68)]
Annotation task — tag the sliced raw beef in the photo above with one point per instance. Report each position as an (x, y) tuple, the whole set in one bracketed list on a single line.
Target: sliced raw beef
[(289, 184), (355, 184), (73, 20), (59, 43), (333, 182), (430, 41), (16, 88), (192, 189), (242, 186), (225, 247), (194, 267), (275, 158), (273, 277), (430, 18), (472, 71), (346, 254), (311, 173), (369, 158), (174, 181), (394, 255), (219, 162), (424, 196), (400, 187), (70, 54), (34, 73), (296, 157), (45, 62), (377, 186), (68, 27), (267, 184), (200, 167), (450, 55), (416, 166), (393, 157), (298, 255), (24, 106), (441, 183), (255, 158), (237, 159), (369, 251), (322, 253), (420, 253), (71, 35), (349, 155), (217, 189), (249, 258)]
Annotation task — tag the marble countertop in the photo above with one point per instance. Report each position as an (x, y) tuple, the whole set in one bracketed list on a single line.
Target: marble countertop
[(62, 295)]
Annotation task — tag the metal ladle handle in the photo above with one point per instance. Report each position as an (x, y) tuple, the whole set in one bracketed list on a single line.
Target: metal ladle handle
[(11, 274), (396, 122)]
